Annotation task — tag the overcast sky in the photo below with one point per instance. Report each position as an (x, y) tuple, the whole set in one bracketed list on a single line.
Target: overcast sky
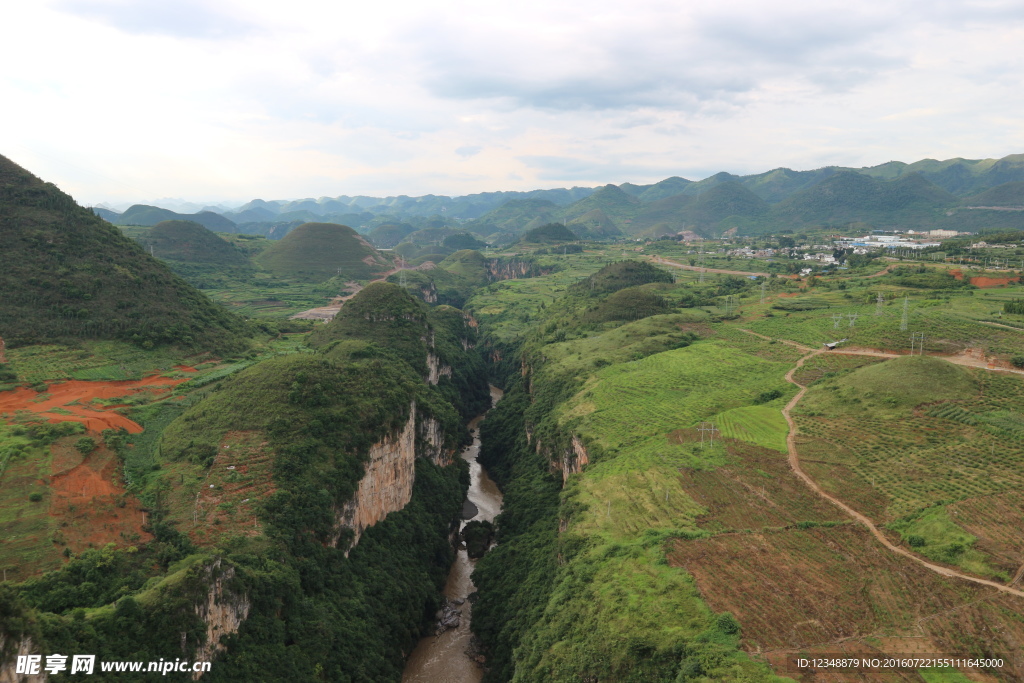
[(132, 100)]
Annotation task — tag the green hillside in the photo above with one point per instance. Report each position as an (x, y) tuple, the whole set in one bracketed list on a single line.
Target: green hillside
[(595, 225), (387, 235), (66, 274), (1007, 194), (552, 232), (665, 188), (513, 216), (190, 242), (704, 211), (315, 252), (618, 206), (141, 214), (846, 197)]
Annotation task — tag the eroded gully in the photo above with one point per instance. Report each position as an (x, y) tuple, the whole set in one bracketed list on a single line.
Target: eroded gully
[(443, 658)]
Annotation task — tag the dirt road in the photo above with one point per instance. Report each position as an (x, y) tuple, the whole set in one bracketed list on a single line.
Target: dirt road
[(665, 262), (794, 463)]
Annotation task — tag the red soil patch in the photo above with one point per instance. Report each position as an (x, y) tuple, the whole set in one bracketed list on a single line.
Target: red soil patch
[(89, 502), (986, 282), (71, 395), (983, 281), (185, 368)]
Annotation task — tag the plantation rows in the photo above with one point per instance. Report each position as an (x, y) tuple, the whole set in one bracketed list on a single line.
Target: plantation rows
[(917, 462), (672, 390), (996, 520), (798, 588)]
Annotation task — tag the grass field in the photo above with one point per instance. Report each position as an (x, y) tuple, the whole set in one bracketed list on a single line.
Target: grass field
[(760, 425), (629, 409)]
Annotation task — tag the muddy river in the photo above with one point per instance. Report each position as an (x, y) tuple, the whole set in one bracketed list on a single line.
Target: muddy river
[(443, 658)]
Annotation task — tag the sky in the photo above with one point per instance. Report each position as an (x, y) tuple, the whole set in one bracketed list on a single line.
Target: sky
[(124, 101)]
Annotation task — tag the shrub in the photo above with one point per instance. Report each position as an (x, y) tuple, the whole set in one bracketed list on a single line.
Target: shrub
[(727, 623), (1017, 361), (86, 445), (766, 396), (915, 541), (35, 497)]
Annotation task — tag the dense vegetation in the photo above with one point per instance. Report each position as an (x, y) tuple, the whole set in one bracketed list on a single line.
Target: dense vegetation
[(68, 275), (314, 252), (316, 607), (192, 243)]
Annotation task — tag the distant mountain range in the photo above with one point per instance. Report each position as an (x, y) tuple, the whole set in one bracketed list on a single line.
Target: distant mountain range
[(965, 194)]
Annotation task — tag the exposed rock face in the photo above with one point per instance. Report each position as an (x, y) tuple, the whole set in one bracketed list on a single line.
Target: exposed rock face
[(25, 646), (574, 459), (435, 369), (432, 443), (224, 611), (513, 269), (429, 293), (387, 482), (449, 616)]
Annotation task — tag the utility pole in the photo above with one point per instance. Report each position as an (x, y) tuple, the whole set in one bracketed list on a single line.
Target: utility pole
[(708, 427), (917, 340)]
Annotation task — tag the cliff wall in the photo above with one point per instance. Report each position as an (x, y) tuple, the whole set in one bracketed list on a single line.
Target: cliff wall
[(8, 666), (223, 611), (387, 482)]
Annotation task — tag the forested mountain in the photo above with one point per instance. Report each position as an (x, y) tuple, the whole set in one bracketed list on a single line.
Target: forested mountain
[(315, 252), (141, 214), (66, 274)]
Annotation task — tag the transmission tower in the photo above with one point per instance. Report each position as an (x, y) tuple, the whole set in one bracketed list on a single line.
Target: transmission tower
[(906, 309), (853, 319), (836, 318), (879, 302)]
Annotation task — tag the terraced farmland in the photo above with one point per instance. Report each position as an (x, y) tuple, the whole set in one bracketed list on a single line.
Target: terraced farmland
[(630, 408)]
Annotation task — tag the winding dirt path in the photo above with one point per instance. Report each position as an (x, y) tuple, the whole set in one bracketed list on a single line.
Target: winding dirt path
[(794, 463)]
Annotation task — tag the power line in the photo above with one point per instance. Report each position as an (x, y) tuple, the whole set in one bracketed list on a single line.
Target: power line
[(708, 427)]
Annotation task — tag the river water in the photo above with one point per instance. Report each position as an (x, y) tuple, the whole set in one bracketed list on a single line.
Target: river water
[(443, 658)]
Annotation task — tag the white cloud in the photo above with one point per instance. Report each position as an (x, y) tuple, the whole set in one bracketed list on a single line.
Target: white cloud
[(128, 99)]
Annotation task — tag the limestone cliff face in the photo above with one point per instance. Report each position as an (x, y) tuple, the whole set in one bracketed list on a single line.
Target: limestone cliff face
[(390, 473), (574, 458), (514, 269), (432, 443), (9, 665), (223, 611), (436, 369), (387, 482), (429, 293)]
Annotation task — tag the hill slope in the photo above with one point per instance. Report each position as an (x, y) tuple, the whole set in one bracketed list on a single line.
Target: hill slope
[(141, 214), (67, 274), (315, 252), (192, 243)]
